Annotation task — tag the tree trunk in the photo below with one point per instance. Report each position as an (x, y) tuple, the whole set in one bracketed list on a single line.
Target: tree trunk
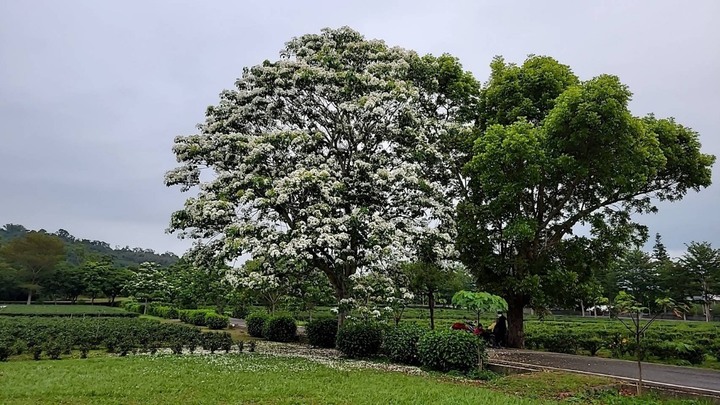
[(146, 306), (431, 305), (92, 300), (582, 308), (707, 311), (29, 299), (640, 378), (516, 330)]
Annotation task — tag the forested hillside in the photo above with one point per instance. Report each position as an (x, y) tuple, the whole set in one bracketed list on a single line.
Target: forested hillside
[(77, 248)]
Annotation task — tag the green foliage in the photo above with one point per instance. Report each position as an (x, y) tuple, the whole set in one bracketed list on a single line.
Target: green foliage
[(445, 350), (256, 323), (216, 321), (552, 152), (280, 328), (479, 302), (60, 335), (5, 350), (400, 343), (360, 339), (162, 311), (322, 332), (64, 311)]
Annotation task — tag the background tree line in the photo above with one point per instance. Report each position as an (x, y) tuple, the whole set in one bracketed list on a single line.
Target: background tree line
[(59, 266)]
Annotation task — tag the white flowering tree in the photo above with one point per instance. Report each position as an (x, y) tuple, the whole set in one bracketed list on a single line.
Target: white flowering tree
[(376, 296), (328, 158), (148, 282)]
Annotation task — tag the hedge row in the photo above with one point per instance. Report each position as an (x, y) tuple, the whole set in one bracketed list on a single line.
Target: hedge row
[(55, 336), (277, 328), (441, 350), (204, 317), (663, 343)]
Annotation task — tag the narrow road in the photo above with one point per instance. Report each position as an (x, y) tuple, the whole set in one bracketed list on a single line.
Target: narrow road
[(658, 374)]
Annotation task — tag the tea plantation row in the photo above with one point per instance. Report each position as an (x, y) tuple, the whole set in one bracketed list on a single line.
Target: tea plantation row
[(57, 336)]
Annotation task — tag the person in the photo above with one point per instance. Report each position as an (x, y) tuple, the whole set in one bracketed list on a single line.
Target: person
[(500, 330)]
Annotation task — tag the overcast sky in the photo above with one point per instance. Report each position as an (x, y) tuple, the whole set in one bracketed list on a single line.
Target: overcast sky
[(92, 93)]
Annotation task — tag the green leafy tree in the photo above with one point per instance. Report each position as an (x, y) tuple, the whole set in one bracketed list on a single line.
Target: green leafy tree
[(114, 282), (625, 304), (553, 153), (700, 269), (95, 274), (479, 302), (636, 273), (35, 256)]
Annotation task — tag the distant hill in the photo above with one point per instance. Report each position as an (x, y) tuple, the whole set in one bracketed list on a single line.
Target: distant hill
[(76, 248)]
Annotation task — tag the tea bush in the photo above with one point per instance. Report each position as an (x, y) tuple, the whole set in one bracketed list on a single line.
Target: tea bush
[(445, 350), (56, 336), (280, 328), (256, 323), (400, 343), (322, 332), (216, 321), (360, 339)]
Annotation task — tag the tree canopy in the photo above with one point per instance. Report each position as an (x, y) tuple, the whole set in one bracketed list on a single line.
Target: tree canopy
[(328, 158), (555, 152)]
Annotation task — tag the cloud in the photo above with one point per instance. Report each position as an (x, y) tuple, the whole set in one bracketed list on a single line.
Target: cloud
[(94, 92)]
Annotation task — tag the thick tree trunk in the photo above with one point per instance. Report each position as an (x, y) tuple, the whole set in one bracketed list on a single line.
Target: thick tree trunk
[(516, 329), (340, 294), (29, 299), (582, 308), (431, 305), (146, 307)]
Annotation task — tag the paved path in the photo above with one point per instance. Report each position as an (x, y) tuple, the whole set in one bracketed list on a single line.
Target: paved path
[(659, 374)]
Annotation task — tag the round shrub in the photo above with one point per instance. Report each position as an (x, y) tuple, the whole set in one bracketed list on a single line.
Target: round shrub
[(359, 339), (401, 343), (322, 332), (256, 323), (216, 321), (445, 350), (280, 328)]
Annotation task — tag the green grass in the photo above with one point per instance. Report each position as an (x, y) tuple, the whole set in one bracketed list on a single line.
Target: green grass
[(262, 379), (62, 310), (225, 379)]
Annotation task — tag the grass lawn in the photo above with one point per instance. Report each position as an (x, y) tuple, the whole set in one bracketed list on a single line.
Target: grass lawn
[(226, 379), (62, 310), (263, 379)]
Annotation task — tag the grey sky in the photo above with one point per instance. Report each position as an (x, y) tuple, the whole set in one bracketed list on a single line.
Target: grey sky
[(93, 92)]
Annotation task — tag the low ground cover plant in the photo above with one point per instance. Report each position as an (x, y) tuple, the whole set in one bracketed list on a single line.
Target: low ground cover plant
[(55, 337)]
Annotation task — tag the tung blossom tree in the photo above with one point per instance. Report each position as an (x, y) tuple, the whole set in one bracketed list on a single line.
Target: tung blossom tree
[(327, 159)]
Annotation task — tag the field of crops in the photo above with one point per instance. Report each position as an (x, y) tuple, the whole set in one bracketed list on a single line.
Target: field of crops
[(62, 310)]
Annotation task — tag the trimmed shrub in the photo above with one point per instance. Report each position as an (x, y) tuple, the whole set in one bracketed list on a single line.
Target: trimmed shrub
[(256, 323), (401, 343), (280, 328), (322, 332), (216, 321), (5, 350), (592, 344), (240, 311), (360, 339), (445, 350)]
